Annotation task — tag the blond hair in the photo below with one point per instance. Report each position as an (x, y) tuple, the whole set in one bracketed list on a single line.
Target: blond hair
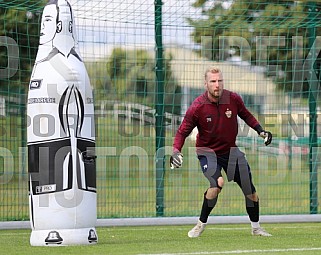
[(212, 69)]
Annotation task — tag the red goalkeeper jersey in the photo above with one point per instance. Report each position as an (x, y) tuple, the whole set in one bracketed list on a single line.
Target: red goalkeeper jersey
[(216, 122)]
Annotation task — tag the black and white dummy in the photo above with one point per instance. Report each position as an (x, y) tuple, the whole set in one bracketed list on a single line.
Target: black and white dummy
[(61, 137)]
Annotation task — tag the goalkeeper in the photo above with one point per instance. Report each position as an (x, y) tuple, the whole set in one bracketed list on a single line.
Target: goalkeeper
[(215, 113)]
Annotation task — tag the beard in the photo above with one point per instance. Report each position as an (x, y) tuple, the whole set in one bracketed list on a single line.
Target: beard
[(215, 94)]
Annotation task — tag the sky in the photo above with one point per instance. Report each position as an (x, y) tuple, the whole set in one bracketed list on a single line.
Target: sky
[(103, 25)]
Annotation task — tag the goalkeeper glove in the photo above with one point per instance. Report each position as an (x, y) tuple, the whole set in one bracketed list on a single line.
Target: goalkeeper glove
[(176, 160), (266, 135)]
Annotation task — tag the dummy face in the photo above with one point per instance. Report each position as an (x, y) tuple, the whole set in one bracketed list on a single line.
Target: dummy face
[(48, 24)]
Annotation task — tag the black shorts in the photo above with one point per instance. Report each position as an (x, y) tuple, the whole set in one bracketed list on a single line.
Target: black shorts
[(235, 166)]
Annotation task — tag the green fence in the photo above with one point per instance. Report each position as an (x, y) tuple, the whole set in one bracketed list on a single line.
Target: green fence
[(146, 62)]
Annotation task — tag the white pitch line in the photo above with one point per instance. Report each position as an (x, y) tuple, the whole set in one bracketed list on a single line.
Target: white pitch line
[(209, 227), (238, 251)]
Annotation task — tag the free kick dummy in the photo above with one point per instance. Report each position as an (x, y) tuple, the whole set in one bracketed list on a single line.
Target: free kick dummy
[(61, 137)]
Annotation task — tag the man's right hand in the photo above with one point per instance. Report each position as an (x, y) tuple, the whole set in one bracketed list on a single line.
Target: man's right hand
[(176, 160)]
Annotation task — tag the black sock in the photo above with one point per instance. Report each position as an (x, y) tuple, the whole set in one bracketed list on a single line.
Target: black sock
[(253, 210), (207, 207)]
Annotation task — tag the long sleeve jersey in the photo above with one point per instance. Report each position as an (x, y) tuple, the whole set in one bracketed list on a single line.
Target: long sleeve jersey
[(216, 122)]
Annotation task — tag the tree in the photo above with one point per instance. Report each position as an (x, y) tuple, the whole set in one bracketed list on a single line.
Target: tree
[(252, 21), (20, 20), (132, 74)]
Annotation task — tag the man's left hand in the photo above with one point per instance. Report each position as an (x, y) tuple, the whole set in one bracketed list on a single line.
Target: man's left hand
[(267, 137)]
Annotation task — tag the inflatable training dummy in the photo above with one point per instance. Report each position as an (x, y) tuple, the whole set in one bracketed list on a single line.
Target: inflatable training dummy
[(61, 137)]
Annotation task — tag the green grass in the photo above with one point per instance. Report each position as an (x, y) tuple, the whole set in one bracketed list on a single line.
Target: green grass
[(300, 238), (126, 177)]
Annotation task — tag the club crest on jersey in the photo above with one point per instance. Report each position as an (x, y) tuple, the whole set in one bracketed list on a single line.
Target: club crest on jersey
[(208, 119), (228, 113)]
